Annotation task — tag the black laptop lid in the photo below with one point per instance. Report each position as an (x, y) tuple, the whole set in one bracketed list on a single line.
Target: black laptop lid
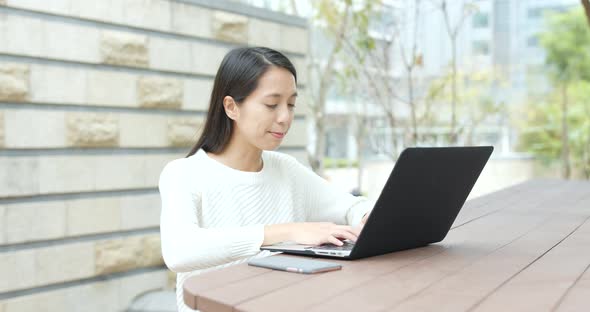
[(421, 199)]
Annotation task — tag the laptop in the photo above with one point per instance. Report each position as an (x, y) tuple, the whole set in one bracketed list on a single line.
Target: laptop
[(417, 206)]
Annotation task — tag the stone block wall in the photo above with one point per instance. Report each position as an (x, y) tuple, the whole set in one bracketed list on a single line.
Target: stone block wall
[(95, 98)]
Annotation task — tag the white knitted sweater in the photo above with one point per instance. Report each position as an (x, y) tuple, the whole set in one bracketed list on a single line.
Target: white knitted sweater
[(213, 216)]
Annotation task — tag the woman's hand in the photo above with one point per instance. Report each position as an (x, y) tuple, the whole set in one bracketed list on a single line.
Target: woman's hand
[(310, 233), (317, 233)]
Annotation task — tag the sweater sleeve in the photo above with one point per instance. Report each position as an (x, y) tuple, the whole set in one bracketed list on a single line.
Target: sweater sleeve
[(325, 202), (185, 245)]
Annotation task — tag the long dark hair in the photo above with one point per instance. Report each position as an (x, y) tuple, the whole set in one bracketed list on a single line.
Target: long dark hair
[(237, 77)]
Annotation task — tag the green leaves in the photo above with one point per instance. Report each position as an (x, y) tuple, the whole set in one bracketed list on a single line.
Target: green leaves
[(541, 130), (567, 44)]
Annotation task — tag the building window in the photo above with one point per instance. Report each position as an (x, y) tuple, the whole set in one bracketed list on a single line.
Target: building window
[(535, 13), (533, 41), (480, 20), (481, 47)]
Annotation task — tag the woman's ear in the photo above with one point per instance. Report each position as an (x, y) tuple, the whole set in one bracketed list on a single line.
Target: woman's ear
[(231, 107)]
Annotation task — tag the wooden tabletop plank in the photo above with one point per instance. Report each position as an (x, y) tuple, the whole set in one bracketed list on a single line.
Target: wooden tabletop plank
[(462, 290), (394, 288), (500, 194), (545, 281), (512, 196), (466, 288), (226, 297), (217, 278), (507, 192), (472, 206), (213, 279), (578, 295)]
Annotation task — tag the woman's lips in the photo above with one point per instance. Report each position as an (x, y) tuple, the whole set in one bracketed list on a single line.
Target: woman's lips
[(278, 135)]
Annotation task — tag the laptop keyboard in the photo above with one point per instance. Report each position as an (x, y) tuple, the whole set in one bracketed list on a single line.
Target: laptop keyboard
[(346, 246)]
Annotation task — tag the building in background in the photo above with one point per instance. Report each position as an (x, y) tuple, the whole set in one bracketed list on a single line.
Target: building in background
[(95, 98)]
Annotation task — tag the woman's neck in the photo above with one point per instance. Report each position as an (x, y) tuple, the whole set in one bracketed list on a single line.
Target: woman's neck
[(240, 157)]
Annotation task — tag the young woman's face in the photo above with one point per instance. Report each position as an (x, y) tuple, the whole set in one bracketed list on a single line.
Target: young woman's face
[(264, 117)]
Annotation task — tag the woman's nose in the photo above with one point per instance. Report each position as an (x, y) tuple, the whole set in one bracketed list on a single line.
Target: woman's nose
[(283, 115)]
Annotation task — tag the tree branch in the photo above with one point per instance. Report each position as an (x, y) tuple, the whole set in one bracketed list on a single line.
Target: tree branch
[(294, 7), (327, 74), (443, 7), (372, 82), (464, 16)]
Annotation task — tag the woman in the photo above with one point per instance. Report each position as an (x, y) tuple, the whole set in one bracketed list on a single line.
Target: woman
[(232, 194)]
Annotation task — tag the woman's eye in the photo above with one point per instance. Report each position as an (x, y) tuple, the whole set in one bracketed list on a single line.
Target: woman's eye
[(291, 106), (271, 106)]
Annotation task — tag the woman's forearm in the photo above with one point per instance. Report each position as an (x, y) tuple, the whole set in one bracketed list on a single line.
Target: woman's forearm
[(276, 233)]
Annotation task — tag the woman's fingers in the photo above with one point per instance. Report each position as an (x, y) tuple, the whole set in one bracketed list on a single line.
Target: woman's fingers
[(335, 241), (338, 233), (345, 235)]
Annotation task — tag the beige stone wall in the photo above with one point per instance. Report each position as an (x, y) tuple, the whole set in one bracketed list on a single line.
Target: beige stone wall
[(1, 129), (95, 98), (14, 82), (108, 295), (24, 35), (92, 129)]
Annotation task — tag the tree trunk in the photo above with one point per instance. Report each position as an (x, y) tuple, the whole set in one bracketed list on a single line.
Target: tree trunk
[(393, 126), (410, 67), (359, 156), (317, 164), (390, 109), (565, 149), (586, 4), (317, 160), (294, 7), (453, 32), (453, 134), (412, 107), (587, 162)]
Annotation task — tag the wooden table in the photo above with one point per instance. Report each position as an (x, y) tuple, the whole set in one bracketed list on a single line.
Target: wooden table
[(524, 248)]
